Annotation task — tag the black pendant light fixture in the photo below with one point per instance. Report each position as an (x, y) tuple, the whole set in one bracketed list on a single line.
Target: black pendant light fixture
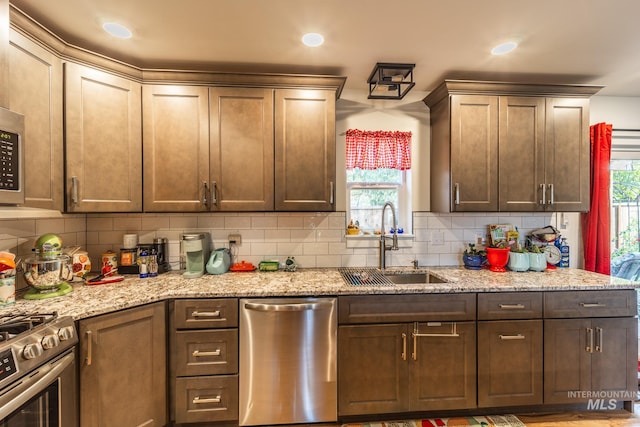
[(390, 80)]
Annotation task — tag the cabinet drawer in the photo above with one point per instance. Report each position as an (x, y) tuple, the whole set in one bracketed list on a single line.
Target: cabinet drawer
[(206, 399), (205, 313), (510, 305), (406, 308), (205, 352), (567, 304)]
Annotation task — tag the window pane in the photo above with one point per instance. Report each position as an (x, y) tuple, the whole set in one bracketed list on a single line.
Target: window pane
[(386, 176), (366, 206)]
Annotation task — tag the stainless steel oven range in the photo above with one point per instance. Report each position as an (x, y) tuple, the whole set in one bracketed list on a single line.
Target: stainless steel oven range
[(38, 370)]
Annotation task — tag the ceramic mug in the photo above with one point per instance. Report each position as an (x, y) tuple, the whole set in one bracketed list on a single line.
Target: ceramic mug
[(518, 261), (537, 262)]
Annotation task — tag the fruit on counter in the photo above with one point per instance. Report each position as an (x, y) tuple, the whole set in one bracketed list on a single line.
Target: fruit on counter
[(353, 228)]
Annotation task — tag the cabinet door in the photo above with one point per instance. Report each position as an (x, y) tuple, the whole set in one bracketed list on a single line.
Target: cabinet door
[(567, 154), (123, 368), (567, 359), (509, 363), (241, 129), (373, 369), (176, 148), (103, 141), (474, 153), (305, 150), (615, 355), (443, 367), (35, 77), (521, 153)]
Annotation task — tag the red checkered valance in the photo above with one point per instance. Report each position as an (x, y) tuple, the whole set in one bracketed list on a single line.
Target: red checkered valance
[(378, 149)]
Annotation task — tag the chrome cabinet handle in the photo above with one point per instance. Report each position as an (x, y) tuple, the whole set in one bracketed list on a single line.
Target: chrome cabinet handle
[(88, 334), (74, 190), (200, 400), (511, 306), (599, 333), (457, 193), (205, 192), (589, 348), (551, 195), (414, 353), (592, 304), (206, 313), (512, 337), (544, 194), (198, 353), (331, 193), (404, 346), (214, 191)]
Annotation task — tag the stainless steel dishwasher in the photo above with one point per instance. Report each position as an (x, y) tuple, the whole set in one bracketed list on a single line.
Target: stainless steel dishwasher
[(288, 361)]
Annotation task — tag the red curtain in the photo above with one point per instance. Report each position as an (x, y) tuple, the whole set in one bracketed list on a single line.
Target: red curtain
[(378, 149), (596, 222)]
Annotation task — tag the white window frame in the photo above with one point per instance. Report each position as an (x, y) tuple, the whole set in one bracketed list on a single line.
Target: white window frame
[(403, 209)]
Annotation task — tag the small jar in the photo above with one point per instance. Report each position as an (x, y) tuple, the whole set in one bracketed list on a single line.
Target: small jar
[(143, 261)]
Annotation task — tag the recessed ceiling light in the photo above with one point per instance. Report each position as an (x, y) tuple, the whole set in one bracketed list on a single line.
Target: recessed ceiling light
[(503, 48), (312, 39), (117, 30)]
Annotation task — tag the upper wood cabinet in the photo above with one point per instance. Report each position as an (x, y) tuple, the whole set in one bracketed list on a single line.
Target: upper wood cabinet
[(305, 154), (176, 148), (35, 76), (509, 147), (241, 132), (103, 141), (239, 149)]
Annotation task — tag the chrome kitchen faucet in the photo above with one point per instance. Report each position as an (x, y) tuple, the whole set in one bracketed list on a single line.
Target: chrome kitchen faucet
[(383, 238)]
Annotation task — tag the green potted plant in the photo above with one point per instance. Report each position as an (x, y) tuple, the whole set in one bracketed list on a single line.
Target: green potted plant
[(537, 259), (473, 257), (498, 256), (518, 259)]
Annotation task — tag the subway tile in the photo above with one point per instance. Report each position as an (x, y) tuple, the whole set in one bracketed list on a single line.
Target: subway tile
[(183, 222), (315, 248), (288, 221), (264, 222), (306, 261), (316, 221), (98, 223), (45, 226), (328, 261), (237, 222), (303, 235), (211, 221), (127, 223), (159, 222)]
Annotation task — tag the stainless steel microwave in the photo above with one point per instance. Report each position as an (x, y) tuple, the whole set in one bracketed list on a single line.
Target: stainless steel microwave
[(11, 158)]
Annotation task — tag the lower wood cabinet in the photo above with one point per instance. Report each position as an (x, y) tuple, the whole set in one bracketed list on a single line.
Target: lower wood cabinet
[(387, 368), (509, 363), (123, 377), (589, 355), (203, 366), (590, 345)]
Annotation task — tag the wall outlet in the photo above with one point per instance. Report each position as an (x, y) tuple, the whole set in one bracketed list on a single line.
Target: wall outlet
[(235, 239), (437, 238)]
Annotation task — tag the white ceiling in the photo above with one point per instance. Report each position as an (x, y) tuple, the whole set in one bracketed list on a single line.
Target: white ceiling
[(561, 41)]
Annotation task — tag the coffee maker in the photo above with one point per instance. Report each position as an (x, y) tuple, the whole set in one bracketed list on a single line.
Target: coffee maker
[(195, 250)]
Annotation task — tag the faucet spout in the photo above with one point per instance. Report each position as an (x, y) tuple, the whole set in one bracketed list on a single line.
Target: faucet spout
[(394, 237)]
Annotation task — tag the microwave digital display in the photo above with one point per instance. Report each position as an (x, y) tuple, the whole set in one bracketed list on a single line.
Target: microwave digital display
[(9, 161)]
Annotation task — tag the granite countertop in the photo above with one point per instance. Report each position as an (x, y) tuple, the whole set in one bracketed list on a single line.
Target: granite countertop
[(86, 301)]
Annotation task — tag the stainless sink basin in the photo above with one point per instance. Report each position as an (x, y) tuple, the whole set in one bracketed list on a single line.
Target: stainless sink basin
[(411, 278), (374, 277)]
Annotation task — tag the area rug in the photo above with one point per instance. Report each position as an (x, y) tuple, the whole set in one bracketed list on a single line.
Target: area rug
[(486, 421)]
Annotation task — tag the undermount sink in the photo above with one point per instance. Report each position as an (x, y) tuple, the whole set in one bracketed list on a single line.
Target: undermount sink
[(377, 277), (411, 278)]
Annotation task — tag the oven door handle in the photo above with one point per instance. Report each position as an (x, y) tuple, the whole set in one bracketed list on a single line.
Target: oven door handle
[(30, 386)]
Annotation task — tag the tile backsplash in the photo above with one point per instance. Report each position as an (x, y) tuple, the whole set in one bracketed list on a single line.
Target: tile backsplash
[(315, 239)]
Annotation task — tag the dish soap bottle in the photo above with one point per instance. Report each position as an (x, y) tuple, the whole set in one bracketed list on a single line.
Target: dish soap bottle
[(564, 253)]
